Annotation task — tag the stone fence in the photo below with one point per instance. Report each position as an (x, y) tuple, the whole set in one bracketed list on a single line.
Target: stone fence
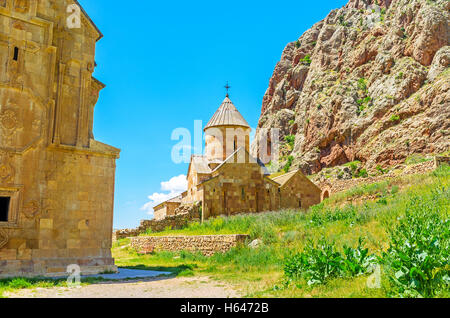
[(208, 245), (178, 221)]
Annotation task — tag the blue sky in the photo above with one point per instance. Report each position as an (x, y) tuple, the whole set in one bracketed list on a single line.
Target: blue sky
[(165, 64)]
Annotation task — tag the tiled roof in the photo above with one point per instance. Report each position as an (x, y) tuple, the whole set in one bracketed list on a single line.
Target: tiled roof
[(227, 115), (284, 177), (177, 199)]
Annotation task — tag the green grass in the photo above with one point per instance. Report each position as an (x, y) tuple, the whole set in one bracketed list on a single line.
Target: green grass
[(412, 208), (415, 159), (260, 272), (17, 283)]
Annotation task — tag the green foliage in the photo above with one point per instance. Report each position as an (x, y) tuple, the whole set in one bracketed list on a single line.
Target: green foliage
[(404, 35), (291, 122), (342, 21), (297, 44), (366, 100), (354, 168), (442, 171), (322, 261), (417, 260), (394, 189), (321, 215), (265, 232), (382, 14), (15, 283), (362, 84), (288, 164), (394, 118), (306, 60), (380, 169), (363, 173), (290, 140), (20, 283), (415, 159)]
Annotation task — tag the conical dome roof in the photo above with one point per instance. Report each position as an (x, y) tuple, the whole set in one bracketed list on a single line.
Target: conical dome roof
[(227, 115)]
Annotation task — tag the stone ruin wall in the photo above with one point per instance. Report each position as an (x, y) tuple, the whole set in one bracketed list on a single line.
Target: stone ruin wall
[(184, 214), (208, 245)]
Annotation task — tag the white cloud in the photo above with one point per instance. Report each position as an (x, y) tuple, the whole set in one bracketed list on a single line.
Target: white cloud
[(176, 184), (173, 187)]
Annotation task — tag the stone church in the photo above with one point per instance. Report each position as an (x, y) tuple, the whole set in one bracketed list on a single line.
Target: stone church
[(56, 180), (227, 180)]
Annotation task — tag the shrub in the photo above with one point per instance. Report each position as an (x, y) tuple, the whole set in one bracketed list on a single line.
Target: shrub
[(362, 84), (290, 139), (306, 60), (322, 261), (19, 283), (380, 169), (353, 166), (394, 118), (363, 173), (417, 260), (288, 164)]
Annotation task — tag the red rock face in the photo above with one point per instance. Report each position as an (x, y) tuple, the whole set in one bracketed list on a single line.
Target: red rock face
[(368, 83)]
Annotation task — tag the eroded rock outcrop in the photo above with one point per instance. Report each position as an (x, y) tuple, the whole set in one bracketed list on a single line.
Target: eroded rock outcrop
[(370, 82)]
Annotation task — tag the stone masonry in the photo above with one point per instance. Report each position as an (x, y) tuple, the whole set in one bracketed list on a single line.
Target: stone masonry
[(208, 245), (173, 222), (56, 180)]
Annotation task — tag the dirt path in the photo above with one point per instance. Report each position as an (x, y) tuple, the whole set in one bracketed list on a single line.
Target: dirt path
[(184, 287)]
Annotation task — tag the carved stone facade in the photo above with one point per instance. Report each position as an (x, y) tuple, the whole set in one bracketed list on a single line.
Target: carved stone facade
[(56, 181)]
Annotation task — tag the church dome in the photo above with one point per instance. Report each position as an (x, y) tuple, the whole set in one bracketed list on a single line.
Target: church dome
[(227, 115)]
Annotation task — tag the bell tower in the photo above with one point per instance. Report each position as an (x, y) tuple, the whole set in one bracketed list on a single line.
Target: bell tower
[(226, 132)]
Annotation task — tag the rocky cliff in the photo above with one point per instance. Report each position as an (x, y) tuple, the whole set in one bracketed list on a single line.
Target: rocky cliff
[(370, 83)]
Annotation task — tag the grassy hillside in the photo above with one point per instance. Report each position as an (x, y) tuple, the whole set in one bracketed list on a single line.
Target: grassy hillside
[(332, 249)]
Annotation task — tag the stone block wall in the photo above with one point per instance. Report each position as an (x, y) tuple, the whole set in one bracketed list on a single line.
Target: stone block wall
[(240, 188), (299, 192), (208, 245), (58, 179), (173, 222)]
